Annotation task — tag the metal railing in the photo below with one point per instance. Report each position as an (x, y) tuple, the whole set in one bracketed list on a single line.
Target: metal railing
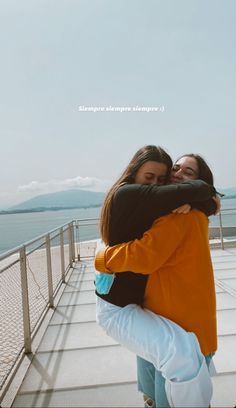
[(30, 277), (222, 230)]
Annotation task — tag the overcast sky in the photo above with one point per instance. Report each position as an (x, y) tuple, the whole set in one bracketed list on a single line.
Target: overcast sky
[(58, 56)]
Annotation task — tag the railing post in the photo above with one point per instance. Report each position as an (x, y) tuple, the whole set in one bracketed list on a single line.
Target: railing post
[(73, 241), (78, 237), (49, 271), (221, 232), (71, 245), (25, 301), (62, 255)]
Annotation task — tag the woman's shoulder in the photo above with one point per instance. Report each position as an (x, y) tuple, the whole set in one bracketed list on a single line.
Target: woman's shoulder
[(134, 190), (126, 191)]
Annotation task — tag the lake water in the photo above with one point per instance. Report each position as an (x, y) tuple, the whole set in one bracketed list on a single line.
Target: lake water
[(228, 217), (16, 229)]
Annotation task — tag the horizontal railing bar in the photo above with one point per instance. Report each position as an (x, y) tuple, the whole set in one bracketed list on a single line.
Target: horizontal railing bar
[(16, 249), (81, 221), (43, 243), (227, 209), (84, 219), (55, 236), (36, 248), (9, 265), (83, 225)]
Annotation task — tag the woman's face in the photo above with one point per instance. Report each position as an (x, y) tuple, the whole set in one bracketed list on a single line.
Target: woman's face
[(184, 169), (151, 172)]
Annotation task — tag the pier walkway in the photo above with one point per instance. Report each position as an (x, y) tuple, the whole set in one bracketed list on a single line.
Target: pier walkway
[(75, 364)]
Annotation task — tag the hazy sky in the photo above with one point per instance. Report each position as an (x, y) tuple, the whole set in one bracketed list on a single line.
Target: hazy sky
[(178, 56)]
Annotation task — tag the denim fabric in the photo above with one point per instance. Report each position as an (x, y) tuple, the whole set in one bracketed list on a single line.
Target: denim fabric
[(152, 383)]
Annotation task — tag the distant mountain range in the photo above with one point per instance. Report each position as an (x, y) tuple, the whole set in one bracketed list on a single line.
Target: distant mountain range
[(60, 200), (75, 199)]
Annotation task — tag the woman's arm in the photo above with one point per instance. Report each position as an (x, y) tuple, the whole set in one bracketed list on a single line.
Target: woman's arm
[(208, 207), (161, 200), (147, 254)]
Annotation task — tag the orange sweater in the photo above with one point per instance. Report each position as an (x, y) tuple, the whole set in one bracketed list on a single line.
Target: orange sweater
[(175, 252)]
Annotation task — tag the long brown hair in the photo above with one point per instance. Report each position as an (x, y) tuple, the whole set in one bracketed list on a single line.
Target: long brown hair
[(143, 155), (204, 171)]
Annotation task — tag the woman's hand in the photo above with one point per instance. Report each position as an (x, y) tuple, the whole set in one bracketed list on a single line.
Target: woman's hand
[(183, 209)]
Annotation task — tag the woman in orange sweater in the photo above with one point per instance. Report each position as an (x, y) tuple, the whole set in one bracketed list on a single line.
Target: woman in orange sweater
[(179, 232)]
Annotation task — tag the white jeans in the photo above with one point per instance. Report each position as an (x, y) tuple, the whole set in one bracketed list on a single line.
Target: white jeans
[(172, 350)]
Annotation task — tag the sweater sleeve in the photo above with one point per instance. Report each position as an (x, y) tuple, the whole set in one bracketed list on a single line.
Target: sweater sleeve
[(145, 255), (208, 207), (161, 200)]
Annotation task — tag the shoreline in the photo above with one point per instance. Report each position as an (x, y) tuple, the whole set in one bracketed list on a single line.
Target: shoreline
[(45, 209)]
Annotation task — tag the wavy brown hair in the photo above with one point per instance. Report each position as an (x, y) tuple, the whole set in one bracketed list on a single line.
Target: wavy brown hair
[(143, 155)]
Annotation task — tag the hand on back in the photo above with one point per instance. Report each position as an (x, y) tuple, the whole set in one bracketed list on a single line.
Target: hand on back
[(183, 209)]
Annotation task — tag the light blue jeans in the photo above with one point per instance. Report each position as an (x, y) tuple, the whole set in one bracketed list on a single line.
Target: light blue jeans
[(152, 383)]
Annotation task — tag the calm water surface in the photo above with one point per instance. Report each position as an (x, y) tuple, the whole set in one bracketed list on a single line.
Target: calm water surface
[(16, 229)]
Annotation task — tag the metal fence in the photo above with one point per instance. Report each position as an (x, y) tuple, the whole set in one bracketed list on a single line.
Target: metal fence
[(222, 231), (30, 276)]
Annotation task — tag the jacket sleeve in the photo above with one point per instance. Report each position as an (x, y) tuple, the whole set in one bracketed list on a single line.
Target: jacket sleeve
[(145, 255)]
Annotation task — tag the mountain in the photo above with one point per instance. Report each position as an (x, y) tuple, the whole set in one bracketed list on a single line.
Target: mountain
[(62, 199), (76, 199)]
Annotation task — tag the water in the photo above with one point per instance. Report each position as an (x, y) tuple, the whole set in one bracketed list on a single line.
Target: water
[(228, 203), (16, 229), (228, 217)]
